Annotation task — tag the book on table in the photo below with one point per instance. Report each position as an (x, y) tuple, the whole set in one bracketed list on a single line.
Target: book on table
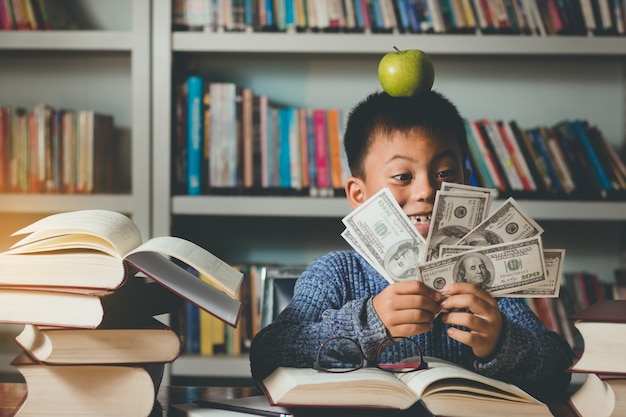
[(602, 327), (101, 249), (600, 395), (88, 389), (150, 342), (443, 389), (129, 305)]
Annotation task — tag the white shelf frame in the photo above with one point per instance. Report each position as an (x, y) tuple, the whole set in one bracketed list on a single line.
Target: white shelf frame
[(339, 207), (376, 44)]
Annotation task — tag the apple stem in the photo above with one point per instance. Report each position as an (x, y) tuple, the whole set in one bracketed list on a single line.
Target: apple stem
[(396, 48)]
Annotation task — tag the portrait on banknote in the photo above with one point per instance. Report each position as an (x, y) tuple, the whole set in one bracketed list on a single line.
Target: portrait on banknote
[(401, 260), (474, 268)]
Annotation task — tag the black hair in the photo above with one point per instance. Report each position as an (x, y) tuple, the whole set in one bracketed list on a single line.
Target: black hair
[(429, 112)]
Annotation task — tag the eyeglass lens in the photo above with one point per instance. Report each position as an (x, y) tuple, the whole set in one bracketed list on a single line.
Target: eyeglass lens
[(398, 354), (339, 354)]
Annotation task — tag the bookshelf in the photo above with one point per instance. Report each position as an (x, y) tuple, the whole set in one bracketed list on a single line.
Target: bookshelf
[(532, 79), (103, 66)]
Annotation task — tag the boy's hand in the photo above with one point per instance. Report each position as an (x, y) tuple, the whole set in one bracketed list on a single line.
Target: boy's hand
[(407, 308), (480, 314)]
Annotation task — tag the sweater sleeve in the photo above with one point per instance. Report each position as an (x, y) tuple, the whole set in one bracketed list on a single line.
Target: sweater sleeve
[(328, 301), (529, 355)]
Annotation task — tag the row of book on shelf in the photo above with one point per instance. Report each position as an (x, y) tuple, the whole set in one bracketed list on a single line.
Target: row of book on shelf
[(229, 139), (543, 17), (88, 291), (52, 150), (23, 15)]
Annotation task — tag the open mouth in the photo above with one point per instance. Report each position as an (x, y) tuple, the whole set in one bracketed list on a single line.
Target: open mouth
[(420, 219)]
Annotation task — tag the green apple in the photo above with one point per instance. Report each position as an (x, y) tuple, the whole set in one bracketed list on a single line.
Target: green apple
[(406, 73)]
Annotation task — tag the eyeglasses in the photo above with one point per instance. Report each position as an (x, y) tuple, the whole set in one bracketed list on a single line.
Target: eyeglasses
[(394, 354)]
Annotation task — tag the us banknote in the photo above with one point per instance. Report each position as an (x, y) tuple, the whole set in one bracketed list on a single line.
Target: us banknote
[(507, 223), (550, 288), (454, 215), (382, 230), (498, 269)]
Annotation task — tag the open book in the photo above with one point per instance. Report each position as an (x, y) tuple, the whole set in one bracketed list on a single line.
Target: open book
[(96, 248), (444, 389)]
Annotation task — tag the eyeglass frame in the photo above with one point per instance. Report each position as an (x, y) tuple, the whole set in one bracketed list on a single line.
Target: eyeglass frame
[(365, 362)]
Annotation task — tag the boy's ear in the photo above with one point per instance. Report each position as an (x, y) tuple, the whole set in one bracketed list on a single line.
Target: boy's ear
[(355, 191), (466, 178)]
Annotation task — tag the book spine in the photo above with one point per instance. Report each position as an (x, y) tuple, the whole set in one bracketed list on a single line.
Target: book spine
[(284, 155), (478, 162), (194, 134), (334, 147), (321, 149), (304, 147), (598, 170), (295, 153)]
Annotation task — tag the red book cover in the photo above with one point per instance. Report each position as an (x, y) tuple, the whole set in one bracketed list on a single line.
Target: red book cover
[(321, 147), (613, 311)]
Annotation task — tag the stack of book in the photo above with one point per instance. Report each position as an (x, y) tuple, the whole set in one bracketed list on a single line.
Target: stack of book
[(603, 360), (88, 291)]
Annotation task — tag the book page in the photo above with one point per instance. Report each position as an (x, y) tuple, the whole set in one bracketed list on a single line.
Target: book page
[(219, 272), (440, 370), (115, 228), (183, 283)]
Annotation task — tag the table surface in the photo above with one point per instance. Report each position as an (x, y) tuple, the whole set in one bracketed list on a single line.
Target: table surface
[(11, 393)]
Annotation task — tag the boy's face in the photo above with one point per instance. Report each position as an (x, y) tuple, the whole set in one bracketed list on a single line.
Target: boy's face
[(412, 166)]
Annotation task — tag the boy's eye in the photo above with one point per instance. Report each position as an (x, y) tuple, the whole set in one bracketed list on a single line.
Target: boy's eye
[(403, 177), (445, 174)]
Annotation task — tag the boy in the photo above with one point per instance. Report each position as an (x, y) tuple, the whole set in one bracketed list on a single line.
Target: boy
[(410, 145)]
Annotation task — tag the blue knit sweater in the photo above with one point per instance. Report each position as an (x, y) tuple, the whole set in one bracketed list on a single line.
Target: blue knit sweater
[(333, 297)]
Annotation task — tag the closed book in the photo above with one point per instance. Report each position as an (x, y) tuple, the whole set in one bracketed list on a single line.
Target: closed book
[(599, 172), (322, 162), (478, 162), (131, 304), (82, 390), (150, 341), (602, 326), (195, 118), (333, 117)]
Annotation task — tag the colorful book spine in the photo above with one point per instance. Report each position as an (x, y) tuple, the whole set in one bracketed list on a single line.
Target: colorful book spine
[(321, 149), (195, 134), (600, 175)]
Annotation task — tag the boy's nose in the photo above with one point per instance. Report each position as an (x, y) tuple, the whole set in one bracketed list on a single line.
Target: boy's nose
[(423, 190)]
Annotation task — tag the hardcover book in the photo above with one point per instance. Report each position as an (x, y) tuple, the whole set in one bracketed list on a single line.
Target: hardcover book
[(151, 341), (602, 326), (82, 390), (444, 389)]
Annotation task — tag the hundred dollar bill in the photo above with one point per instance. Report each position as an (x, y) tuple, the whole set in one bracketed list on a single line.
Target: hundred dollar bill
[(491, 192), (550, 288), (385, 232), (349, 237), (454, 214), (499, 269), (506, 224)]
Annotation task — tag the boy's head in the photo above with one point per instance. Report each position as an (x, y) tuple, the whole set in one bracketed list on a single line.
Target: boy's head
[(407, 144), (429, 113)]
